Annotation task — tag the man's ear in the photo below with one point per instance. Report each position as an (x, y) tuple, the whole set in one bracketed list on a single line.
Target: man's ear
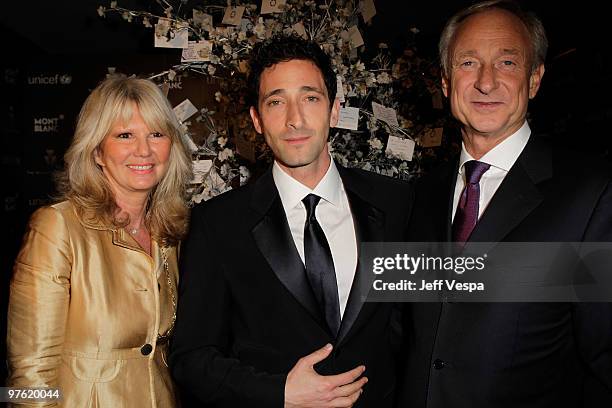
[(256, 120), (534, 81), (445, 85), (335, 112)]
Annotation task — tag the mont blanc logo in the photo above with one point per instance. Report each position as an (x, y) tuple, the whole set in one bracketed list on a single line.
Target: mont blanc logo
[(47, 124), (176, 84), (57, 79)]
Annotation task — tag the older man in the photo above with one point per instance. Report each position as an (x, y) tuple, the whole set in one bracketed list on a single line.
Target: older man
[(507, 185)]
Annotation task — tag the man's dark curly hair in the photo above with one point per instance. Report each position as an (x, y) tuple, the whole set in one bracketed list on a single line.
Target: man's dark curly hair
[(286, 48)]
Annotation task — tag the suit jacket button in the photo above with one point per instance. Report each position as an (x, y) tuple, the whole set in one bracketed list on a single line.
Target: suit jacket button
[(439, 364), (146, 349)]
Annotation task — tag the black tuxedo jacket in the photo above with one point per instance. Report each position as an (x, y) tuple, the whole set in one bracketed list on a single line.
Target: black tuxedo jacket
[(246, 312), (476, 355)]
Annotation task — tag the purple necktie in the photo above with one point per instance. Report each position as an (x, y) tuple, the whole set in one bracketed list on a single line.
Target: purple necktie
[(466, 215)]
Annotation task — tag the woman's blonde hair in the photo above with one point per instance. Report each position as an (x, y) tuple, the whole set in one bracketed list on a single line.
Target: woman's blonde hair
[(83, 181)]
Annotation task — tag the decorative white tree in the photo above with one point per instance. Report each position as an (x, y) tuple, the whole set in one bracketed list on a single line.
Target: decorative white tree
[(380, 97)]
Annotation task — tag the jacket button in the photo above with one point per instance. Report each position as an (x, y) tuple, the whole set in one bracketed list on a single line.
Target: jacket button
[(146, 349), (439, 364)]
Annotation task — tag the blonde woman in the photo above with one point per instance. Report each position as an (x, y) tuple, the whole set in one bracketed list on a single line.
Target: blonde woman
[(93, 294)]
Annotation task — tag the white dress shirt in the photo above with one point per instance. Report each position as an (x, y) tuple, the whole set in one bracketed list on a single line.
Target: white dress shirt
[(333, 214), (501, 158)]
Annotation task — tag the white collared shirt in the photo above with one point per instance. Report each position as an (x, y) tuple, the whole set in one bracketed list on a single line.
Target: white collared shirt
[(333, 214), (501, 158)]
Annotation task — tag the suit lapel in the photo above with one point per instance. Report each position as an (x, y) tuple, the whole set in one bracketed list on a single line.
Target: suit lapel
[(273, 238), (517, 196), (444, 196), (369, 227)]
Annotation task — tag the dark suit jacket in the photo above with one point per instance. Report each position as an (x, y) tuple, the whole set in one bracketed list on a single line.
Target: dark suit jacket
[(246, 312), (514, 354)]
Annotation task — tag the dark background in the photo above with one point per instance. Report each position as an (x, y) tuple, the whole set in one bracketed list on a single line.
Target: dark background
[(67, 40)]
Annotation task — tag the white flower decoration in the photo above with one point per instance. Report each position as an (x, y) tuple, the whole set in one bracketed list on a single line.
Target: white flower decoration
[(260, 29), (375, 143), (383, 78), (245, 174), (370, 80), (225, 154)]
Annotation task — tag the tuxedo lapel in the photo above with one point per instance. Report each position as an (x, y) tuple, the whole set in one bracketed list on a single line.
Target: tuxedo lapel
[(517, 195), (273, 238), (369, 227)]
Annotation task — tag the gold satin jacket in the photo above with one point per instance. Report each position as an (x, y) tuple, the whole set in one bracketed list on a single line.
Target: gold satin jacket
[(86, 305)]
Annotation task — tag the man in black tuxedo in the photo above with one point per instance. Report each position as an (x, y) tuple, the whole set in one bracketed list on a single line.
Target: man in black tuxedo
[(507, 186), (270, 312)]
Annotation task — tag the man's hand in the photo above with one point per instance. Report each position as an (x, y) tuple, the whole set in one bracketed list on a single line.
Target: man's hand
[(307, 389)]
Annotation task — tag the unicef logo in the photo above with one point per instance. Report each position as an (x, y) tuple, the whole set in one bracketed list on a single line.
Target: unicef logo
[(65, 79), (57, 79)]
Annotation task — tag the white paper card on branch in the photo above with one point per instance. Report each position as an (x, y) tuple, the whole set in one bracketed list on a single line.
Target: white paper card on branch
[(348, 118), (203, 20), (339, 89), (368, 10), (189, 142), (184, 110), (167, 37), (398, 147), (387, 115), (355, 37), (432, 137), (197, 51), (271, 6), (200, 170), (246, 25), (300, 30), (233, 15)]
